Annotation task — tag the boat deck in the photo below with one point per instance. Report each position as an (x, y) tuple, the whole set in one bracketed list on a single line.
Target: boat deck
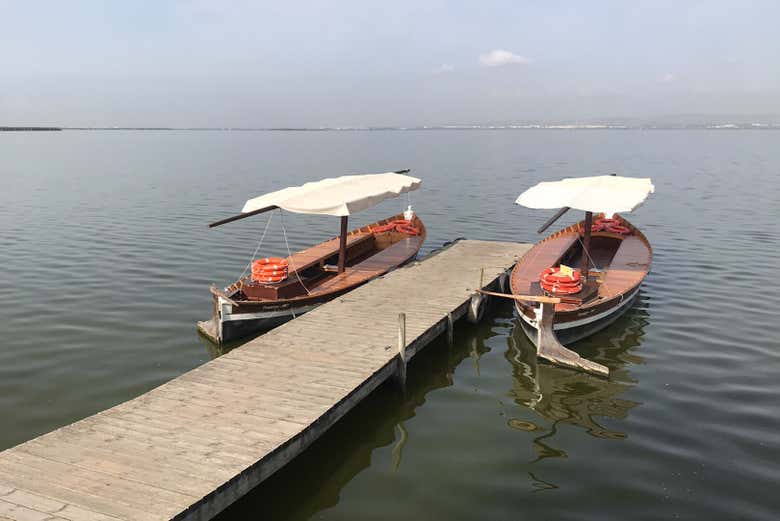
[(191, 447)]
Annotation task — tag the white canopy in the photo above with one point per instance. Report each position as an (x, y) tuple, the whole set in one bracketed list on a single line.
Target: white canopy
[(338, 196), (604, 193)]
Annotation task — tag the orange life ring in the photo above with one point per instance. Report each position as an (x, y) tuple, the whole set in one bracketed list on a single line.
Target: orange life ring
[(269, 274), (278, 261), (383, 228), (271, 280), (398, 225), (408, 229), (561, 289), (552, 281), (563, 285), (553, 275), (618, 228), (610, 225), (270, 269)]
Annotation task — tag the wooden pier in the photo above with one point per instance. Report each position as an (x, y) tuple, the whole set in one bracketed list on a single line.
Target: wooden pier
[(193, 446)]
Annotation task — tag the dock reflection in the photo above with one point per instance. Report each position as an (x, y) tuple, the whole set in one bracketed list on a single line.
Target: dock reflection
[(313, 482)]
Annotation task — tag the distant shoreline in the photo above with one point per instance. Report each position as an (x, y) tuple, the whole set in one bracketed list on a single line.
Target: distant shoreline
[(30, 129), (562, 126), (723, 126)]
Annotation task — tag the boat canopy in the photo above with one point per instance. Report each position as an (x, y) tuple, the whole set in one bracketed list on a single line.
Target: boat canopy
[(339, 196), (605, 193)]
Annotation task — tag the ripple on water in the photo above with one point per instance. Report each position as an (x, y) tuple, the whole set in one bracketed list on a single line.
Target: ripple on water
[(106, 260)]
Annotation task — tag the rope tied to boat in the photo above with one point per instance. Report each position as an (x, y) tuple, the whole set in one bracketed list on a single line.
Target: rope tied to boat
[(257, 248), (290, 257)]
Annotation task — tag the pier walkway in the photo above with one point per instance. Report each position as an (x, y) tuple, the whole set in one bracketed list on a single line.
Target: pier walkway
[(194, 445)]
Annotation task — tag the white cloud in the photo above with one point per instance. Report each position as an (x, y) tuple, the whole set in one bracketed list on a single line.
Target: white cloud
[(499, 57), (444, 67), (668, 77)]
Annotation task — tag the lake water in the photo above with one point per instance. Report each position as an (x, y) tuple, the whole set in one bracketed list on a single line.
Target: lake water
[(105, 263)]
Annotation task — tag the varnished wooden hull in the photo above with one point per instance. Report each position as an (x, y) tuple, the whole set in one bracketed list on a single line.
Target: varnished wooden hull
[(231, 328), (231, 322), (579, 327), (617, 285)]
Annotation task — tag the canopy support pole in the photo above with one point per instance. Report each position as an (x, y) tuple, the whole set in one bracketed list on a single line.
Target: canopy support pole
[(242, 216), (586, 247), (552, 219), (343, 244)]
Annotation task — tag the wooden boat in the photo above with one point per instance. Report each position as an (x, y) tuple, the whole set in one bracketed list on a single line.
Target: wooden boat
[(614, 257), (326, 270)]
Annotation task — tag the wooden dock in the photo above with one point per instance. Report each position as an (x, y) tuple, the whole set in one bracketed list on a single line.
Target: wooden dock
[(193, 446)]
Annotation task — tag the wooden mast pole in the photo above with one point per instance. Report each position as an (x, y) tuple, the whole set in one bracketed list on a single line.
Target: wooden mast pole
[(242, 216), (343, 244), (585, 267)]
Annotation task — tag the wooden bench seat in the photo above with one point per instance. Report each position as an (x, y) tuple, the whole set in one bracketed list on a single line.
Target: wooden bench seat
[(541, 256), (376, 265), (319, 253), (343, 280), (390, 257), (627, 268), (357, 244)]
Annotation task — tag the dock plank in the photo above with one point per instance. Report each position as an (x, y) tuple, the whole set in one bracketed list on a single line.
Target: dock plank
[(192, 446)]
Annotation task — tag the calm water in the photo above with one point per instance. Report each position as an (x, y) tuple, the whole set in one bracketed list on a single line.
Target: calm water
[(105, 260)]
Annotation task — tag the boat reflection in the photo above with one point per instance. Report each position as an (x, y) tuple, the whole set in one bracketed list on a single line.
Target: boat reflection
[(564, 396), (216, 350)]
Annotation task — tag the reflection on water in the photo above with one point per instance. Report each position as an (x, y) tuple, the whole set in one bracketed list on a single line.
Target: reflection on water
[(398, 447), (564, 396), (217, 350), (383, 438), (313, 481), (685, 427)]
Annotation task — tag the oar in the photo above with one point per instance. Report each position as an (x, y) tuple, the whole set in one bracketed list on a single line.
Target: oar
[(531, 298)]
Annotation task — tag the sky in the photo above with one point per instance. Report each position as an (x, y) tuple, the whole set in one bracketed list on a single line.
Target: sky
[(364, 63)]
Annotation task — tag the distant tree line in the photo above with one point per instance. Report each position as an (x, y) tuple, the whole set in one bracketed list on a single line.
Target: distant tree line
[(26, 129)]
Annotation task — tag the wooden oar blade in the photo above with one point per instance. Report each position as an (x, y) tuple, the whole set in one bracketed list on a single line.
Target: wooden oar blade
[(549, 348)]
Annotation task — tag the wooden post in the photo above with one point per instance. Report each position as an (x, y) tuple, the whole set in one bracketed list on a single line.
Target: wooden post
[(450, 329), (585, 266), (343, 244), (481, 277), (402, 350)]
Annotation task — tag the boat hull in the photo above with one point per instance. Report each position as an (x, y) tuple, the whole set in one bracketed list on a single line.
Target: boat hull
[(578, 328), (234, 320), (618, 263), (231, 327)]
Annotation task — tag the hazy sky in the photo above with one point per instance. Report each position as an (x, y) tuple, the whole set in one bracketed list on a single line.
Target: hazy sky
[(332, 63)]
